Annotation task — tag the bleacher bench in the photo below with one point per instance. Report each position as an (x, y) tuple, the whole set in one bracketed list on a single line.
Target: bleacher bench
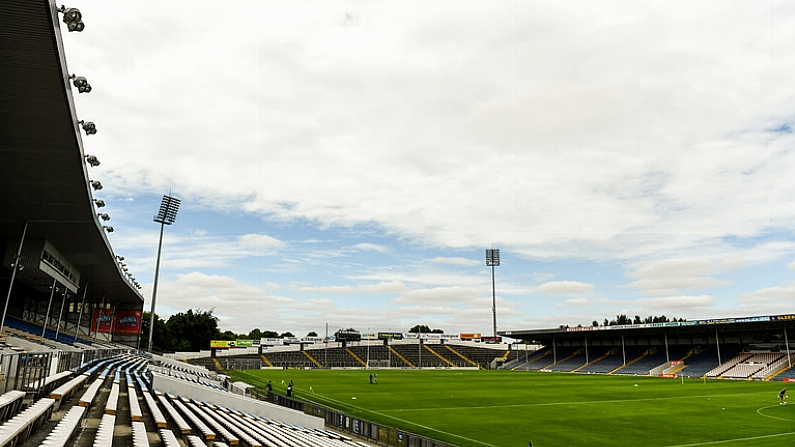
[(19, 427), (10, 403), (154, 411), (104, 436), (180, 422), (216, 426), (206, 432), (63, 391), (88, 397), (113, 399), (168, 438), (135, 408), (195, 441), (139, 436), (65, 429)]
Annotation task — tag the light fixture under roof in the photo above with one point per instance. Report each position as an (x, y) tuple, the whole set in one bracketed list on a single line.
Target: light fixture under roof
[(80, 83), (89, 127), (95, 184), (108, 229), (92, 160), (100, 203), (104, 216), (73, 19)]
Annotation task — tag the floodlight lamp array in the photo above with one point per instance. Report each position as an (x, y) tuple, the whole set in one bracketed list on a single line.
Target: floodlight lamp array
[(168, 210), (492, 257)]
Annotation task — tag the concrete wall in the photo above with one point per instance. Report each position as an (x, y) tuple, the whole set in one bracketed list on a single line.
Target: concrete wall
[(201, 393)]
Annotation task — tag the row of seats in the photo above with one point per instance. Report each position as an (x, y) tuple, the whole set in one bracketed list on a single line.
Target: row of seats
[(19, 427), (175, 417), (36, 330)]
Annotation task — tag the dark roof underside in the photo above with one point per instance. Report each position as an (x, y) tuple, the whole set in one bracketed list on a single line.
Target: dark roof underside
[(43, 174)]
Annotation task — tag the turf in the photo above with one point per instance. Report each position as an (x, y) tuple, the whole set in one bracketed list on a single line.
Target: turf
[(504, 408)]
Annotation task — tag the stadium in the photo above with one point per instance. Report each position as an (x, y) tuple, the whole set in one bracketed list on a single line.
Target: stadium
[(73, 372)]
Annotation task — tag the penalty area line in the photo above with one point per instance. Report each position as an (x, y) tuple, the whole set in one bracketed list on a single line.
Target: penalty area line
[(725, 441)]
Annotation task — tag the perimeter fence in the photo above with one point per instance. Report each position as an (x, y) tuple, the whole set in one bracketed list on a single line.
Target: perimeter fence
[(368, 431)]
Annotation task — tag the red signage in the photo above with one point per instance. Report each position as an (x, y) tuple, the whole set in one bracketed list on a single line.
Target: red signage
[(668, 376), (128, 322), (124, 322), (102, 320)]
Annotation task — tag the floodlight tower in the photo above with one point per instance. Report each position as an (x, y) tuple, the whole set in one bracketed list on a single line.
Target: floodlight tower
[(493, 260), (166, 216)]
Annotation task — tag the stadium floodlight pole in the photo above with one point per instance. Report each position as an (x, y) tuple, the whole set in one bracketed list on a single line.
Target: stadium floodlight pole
[(493, 260), (16, 266), (166, 216)]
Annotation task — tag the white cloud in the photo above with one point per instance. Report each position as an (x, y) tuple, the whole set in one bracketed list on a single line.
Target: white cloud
[(676, 303), (455, 261), (392, 120), (577, 302), (366, 246), (237, 305), (389, 287), (668, 276), (783, 294), (564, 288)]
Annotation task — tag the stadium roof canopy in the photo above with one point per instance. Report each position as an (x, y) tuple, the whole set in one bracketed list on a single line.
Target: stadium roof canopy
[(741, 330), (44, 178)]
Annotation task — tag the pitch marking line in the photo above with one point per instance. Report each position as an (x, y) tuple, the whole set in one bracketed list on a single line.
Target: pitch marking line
[(549, 404), (772, 417), (734, 440)]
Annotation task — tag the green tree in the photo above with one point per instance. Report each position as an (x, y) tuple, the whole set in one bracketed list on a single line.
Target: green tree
[(191, 330), (312, 334), (255, 334), (420, 328)]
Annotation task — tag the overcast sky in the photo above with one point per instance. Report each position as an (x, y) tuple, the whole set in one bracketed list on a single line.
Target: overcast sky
[(347, 163)]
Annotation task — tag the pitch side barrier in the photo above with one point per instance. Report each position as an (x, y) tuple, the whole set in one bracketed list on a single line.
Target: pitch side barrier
[(361, 428)]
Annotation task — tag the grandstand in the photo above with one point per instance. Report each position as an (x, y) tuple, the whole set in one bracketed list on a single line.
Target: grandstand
[(755, 348), (363, 354)]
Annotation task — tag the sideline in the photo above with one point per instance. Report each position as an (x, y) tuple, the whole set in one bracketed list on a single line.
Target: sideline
[(733, 440)]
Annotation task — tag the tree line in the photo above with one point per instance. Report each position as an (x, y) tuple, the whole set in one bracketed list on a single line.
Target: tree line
[(623, 319)]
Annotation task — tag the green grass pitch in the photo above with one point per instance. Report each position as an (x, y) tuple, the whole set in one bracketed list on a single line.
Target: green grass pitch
[(503, 408)]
